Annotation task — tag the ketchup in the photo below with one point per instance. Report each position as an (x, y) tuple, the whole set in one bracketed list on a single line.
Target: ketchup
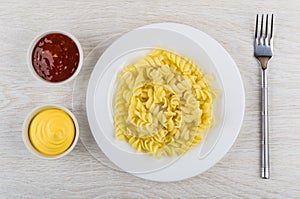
[(55, 57)]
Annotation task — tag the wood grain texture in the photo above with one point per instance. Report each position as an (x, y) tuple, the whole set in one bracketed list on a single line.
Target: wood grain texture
[(79, 175)]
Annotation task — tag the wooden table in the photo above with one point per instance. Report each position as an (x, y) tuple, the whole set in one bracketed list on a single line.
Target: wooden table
[(79, 175)]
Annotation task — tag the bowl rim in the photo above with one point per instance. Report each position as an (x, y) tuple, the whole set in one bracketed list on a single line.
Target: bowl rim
[(34, 42), (25, 131)]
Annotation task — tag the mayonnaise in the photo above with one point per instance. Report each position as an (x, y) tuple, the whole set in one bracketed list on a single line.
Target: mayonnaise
[(52, 131)]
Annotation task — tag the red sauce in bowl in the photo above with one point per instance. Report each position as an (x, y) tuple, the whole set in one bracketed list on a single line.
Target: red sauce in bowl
[(55, 57)]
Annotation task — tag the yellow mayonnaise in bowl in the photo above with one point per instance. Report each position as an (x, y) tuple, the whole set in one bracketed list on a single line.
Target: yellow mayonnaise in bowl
[(50, 131)]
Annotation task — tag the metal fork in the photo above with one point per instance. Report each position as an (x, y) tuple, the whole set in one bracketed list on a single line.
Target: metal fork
[(263, 51)]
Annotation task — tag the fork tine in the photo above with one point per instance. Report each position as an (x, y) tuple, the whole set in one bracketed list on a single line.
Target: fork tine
[(261, 25), (266, 41), (256, 26), (271, 35)]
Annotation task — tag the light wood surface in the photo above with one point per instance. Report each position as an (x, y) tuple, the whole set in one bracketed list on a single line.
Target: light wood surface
[(79, 175)]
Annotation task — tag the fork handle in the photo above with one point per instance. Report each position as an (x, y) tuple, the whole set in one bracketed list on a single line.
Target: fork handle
[(265, 164)]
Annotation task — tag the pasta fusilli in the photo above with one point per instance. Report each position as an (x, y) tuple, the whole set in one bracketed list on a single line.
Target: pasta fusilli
[(162, 105)]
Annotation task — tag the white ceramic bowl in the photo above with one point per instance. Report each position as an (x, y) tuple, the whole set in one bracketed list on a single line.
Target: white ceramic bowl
[(32, 45), (27, 122)]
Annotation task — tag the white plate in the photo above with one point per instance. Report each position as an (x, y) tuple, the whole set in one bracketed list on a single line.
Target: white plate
[(209, 55), (105, 79)]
